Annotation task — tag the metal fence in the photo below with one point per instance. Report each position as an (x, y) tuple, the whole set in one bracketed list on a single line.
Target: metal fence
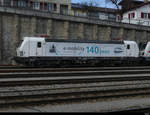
[(136, 21), (124, 20)]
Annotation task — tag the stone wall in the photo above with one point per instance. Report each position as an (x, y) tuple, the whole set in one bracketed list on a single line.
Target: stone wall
[(17, 23)]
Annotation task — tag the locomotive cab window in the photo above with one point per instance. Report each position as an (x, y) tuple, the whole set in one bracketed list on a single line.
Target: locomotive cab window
[(128, 46), (39, 44)]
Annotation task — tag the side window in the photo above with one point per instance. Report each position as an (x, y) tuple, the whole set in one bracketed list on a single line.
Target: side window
[(128, 46), (39, 45)]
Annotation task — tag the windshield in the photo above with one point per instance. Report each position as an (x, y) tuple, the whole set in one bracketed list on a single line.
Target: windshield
[(142, 46), (20, 43)]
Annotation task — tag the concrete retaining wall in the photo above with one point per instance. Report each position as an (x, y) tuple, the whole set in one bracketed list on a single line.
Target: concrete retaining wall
[(17, 23)]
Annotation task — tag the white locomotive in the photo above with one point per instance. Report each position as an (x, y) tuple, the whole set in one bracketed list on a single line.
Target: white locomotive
[(40, 51)]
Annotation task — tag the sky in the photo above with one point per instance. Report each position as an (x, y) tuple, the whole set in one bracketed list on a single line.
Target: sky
[(101, 3)]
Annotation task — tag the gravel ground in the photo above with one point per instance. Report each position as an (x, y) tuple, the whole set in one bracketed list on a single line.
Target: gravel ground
[(97, 106)]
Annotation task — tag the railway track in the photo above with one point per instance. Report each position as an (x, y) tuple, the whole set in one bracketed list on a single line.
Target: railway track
[(34, 86)]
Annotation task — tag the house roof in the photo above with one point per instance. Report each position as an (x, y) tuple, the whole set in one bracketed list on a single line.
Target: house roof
[(135, 1), (139, 6), (93, 8)]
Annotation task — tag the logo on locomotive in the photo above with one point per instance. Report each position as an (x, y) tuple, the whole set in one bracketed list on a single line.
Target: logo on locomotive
[(97, 50), (118, 50)]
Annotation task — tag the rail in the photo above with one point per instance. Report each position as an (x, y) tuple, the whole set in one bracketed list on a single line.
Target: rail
[(23, 87)]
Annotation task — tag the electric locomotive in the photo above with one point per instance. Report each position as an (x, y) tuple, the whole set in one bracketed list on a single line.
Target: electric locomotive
[(41, 51)]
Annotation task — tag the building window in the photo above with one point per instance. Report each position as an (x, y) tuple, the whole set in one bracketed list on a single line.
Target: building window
[(55, 7), (112, 17), (76, 13), (1, 3), (36, 5), (131, 15), (63, 9), (21, 3), (93, 14), (50, 7), (41, 6), (145, 15), (15, 3), (31, 4), (27, 3), (7, 2), (45, 6)]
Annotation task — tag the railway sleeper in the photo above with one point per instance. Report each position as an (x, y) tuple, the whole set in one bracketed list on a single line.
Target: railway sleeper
[(70, 97), (64, 91)]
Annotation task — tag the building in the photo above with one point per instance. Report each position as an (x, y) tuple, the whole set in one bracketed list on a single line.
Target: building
[(94, 12), (138, 15), (63, 7), (129, 4), (55, 6)]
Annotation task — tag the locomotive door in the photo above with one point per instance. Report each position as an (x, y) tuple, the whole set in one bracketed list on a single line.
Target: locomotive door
[(39, 50)]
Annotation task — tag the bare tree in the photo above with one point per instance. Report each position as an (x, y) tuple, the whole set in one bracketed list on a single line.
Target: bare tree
[(89, 5), (115, 2)]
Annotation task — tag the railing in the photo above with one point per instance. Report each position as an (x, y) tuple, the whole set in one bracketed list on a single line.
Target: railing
[(54, 12), (124, 20), (136, 21)]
